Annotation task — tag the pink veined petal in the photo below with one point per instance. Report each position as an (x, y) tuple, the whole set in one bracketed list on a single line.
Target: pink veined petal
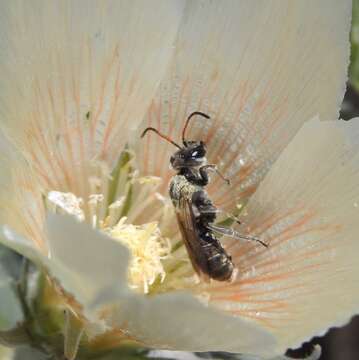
[(259, 69), (18, 198), (306, 209), (78, 76)]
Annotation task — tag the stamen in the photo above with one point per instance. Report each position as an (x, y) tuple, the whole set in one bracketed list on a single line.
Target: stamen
[(95, 202), (115, 210), (65, 203), (129, 208), (147, 247)]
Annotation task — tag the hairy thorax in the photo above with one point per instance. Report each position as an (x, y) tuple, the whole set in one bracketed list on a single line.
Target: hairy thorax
[(180, 187)]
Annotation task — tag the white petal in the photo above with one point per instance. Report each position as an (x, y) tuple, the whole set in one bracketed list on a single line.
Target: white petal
[(20, 195), (95, 273), (77, 76), (307, 209), (22, 207), (6, 353), (86, 261), (20, 244), (314, 355), (179, 321), (173, 355), (259, 69)]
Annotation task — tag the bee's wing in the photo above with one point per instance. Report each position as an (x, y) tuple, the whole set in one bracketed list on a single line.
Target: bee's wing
[(190, 235)]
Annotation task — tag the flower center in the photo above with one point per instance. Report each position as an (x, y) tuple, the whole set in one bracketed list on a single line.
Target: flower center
[(148, 248), (146, 244), (132, 210)]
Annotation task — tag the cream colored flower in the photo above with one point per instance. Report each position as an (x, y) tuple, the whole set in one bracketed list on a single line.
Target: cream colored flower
[(5, 353), (86, 200)]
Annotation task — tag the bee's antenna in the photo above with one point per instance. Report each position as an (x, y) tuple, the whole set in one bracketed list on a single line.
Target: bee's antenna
[(161, 135), (187, 121)]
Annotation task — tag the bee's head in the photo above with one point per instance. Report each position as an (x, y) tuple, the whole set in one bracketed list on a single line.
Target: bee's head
[(192, 155)]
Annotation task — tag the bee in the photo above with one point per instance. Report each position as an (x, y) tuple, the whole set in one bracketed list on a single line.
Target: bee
[(196, 213)]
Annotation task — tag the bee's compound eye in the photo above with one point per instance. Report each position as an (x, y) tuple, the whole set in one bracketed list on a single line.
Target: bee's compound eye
[(198, 152)]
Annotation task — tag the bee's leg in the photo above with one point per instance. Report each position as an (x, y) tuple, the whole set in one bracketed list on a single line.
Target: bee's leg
[(229, 215), (203, 174), (212, 209), (203, 171), (234, 234)]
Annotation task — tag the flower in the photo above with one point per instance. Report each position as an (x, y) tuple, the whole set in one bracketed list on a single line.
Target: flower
[(86, 200), (5, 353)]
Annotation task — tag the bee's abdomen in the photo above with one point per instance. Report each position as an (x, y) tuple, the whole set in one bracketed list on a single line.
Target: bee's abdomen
[(223, 272), (221, 267), (219, 263)]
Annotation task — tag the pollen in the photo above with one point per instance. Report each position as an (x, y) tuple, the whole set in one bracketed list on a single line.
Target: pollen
[(147, 247), (65, 203)]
